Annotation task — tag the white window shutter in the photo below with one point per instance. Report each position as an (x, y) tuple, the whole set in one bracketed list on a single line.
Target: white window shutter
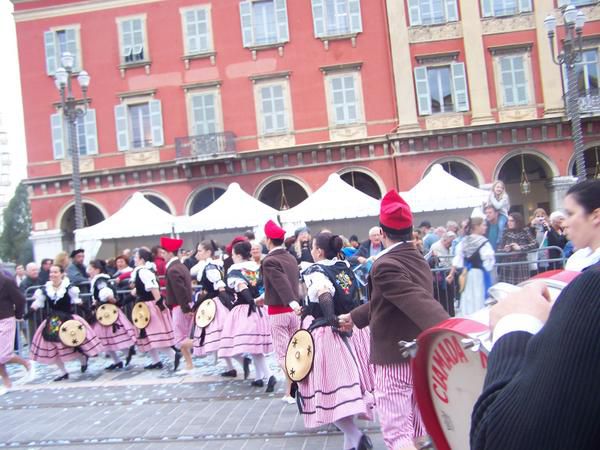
[(423, 96), (156, 123), (50, 46), (71, 35), (58, 135), (355, 18), (191, 31), (525, 6), (318, 10), (246, 20), (281, 17), (91, 133), (487, 8), (414, 12), (459, 81), (451, 10), (122, 127)]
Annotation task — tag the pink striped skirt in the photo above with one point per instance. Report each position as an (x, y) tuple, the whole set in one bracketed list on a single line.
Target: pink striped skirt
[(332, 390), (182, 325), (245, 334), (8, 328), (212, 335), (47, 352), (159, 332), (361, 345), (122, 338), (283, 326)]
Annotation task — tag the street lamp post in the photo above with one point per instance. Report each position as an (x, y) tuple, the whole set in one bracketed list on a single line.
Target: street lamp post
[(73, 110), (570, 54)]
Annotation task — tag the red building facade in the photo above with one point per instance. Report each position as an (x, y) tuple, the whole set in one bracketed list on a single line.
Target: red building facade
[(188, 96)]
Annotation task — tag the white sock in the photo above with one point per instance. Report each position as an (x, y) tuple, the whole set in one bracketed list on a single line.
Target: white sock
[(114, 356), (260, 363), (154, 355), (352, 433), (229, 363)]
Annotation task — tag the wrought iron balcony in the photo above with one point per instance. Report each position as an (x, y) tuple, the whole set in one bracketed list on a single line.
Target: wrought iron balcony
[(205, 146), (589, 102)]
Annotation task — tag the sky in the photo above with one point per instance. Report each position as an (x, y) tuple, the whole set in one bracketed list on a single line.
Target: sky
[(11, 107)]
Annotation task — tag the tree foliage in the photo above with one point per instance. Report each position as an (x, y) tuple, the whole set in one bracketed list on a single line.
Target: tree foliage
[(14, 240)]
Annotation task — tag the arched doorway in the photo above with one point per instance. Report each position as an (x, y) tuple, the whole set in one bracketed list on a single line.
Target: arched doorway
[(592, 163), (91, 216), (204, 198), (461, 171), (157, 201), (525, 176), (363, 182), (282, 194)]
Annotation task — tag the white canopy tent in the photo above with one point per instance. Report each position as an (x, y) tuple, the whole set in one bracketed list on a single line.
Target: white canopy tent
[(234, 209)]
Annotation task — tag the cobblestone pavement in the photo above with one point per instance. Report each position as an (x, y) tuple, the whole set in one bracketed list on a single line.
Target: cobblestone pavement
[(138, 409)]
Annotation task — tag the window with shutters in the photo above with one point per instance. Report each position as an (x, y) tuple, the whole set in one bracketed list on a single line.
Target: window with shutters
[(264, 22), (58, 41), (432, 12), (344, 95), (441, 89), (197, 29), (273, 109), (139, 125), (274, 114), (500, 8), (513, 74), (204, 111), (336, 17), (586, 73), (133, 40), (86, 134)]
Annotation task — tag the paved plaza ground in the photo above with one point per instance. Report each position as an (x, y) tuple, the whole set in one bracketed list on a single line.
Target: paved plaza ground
[(137, 409)]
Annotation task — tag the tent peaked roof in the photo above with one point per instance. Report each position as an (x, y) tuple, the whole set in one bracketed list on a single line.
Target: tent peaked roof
[(234, 209), (439, 190), (335, 199), (138, 217)]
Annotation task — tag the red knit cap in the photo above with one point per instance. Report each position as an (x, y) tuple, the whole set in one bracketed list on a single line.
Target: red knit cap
[(170, 244), (237, 239), (395, 212), (274, 231)]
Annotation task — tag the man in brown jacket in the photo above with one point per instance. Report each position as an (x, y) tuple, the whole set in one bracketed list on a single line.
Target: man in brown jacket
[(281, 279), (401, 305)]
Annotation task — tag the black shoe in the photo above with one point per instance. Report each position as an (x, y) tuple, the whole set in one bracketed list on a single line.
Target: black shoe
[(229, 374), (271, 384), (118, 365), (130, 355), (158, 365), (177, 360), (258, 383), (247, 362), (62, 377), (365, 443), (84, 365)]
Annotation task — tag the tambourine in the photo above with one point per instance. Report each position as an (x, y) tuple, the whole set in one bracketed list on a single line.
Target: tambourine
[(300, 355), (140, 315), (72, 333), (206, 313), (107, 314)]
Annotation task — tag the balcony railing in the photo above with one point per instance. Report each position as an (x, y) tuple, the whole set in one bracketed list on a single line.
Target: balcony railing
[(589, 102), (205, 146)]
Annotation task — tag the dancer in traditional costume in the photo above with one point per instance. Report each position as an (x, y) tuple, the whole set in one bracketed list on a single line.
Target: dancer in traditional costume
[(158, 334), (281, 279), (119, 335), (247, 328), (332, 393), (46, 347), (211, 280)]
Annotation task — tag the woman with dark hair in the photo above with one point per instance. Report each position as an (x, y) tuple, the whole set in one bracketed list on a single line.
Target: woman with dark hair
[(476, 255), (158, 334), (211, 279), (121, 334), (158, 258), (46, 347), (517, 240), (334, 389), (582, 207), (247, 328)]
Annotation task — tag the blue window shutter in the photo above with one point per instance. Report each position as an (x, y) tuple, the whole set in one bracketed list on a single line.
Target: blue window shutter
[(525, 6), (71, 35), (355, 19), (451, 11), (58, 135), (156, 123), (281, 17), (487, 8), (318, 10), (414, 12), (246, 20), (50, 46), (91, 133), (122, 127), (423, 95), (459, 81)]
